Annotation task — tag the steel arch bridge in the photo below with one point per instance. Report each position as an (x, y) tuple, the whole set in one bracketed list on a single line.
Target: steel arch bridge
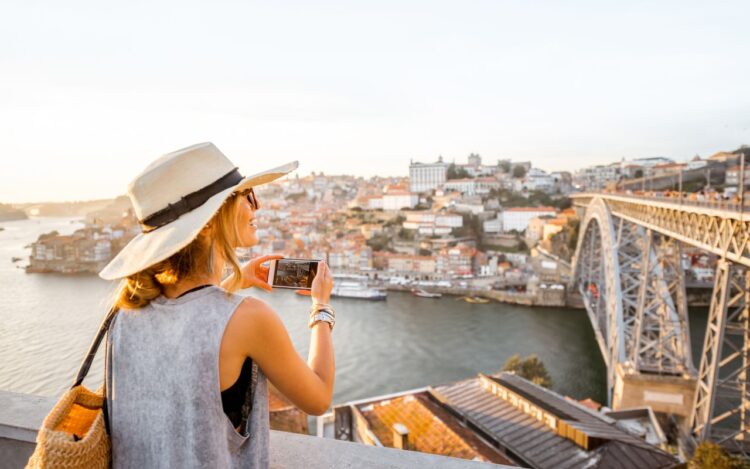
[(628, 271)]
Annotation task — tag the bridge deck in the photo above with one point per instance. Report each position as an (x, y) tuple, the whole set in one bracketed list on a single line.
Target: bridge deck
[(720, 227), (719, 208)]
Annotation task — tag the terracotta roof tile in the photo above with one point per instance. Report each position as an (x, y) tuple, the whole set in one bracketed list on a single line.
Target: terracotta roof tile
[(530, 209), (429, 431)]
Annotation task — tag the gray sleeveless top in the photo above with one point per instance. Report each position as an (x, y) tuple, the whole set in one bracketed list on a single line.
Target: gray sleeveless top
[(164, 394)]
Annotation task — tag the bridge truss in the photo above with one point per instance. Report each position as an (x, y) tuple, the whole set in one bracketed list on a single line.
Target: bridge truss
[(631, 248), (722, 399), (631, 283)]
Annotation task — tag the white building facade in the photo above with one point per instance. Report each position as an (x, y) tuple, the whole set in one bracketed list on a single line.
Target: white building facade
[(473, 186), (399, 200), (518, 218), (424, 177), (429, 223)]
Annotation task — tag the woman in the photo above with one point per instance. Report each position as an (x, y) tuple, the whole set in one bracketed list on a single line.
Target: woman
[(184, 348)]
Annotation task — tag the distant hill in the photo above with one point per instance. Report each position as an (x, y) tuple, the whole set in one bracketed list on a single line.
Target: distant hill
[(8, 213), (112, 213), (63, 209)]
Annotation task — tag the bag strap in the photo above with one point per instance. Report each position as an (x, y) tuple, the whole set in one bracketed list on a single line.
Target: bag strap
[(89, 358)]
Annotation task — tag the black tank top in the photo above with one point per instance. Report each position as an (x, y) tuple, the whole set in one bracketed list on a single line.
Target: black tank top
[(233, 397)]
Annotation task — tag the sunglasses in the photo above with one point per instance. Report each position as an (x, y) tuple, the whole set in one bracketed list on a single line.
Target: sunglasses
[(251, 198)]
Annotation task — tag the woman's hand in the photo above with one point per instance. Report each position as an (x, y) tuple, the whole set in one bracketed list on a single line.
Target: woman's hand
[(322, 284), (255, 274)]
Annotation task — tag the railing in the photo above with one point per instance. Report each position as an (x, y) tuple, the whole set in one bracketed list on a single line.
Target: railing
[(21, 415), (713, 203)]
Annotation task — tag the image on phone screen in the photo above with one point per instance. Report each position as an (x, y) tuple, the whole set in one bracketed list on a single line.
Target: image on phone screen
[(295, 273)]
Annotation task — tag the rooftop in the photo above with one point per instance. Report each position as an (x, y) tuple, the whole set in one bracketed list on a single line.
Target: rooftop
[(431, 428), (530, 209), (545, 430)]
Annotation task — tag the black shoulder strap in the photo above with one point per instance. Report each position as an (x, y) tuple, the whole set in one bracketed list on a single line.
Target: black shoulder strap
[(86, 364)]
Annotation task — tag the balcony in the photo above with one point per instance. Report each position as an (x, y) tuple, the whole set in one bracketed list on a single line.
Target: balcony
[(21, 415)]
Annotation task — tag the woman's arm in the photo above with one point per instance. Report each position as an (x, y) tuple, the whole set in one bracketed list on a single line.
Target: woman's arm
[(257, 331)]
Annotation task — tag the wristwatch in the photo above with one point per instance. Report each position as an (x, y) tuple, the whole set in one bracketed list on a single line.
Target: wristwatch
[(322, 315)]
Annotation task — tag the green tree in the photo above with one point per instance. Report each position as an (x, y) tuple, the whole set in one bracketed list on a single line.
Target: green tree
[(505, 166), (712, 456), (454, 172), (397, 220), (743, 149), (405, 234), (519, 171), (379, 242), (530, 368)]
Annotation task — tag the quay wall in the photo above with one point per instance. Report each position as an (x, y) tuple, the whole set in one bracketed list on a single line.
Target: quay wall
[(543, 297)]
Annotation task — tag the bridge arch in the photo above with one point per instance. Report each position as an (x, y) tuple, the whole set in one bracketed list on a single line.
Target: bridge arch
[(629, 279), (595, 276)]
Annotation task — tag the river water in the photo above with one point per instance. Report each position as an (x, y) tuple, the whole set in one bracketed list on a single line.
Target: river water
[(48, 320)]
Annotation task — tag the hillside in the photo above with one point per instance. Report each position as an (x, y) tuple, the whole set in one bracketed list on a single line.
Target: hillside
[(8, 213), (63, 209)]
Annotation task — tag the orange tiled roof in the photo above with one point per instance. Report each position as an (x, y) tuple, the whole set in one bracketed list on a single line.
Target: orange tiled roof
[(393, 193), (591, 404), (428, 432), (530, 209)]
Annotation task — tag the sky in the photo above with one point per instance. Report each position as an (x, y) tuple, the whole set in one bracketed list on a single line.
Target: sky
[(91, 92)]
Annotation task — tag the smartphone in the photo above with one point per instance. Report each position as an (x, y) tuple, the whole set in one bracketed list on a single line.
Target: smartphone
[(296, 274)]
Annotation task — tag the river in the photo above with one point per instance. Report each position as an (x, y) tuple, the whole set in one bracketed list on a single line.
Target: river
[(48, 320)]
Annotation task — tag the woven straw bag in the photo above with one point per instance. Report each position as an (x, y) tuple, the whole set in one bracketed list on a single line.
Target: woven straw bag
[(74, 434)]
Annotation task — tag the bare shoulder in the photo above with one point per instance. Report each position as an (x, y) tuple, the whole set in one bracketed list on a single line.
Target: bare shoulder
[(254, 312), (252, 322)]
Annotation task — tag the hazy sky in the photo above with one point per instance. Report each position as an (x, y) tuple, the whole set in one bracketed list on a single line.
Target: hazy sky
[(90, 92)]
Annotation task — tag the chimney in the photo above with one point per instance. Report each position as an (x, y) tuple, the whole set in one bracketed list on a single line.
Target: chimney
[(400, 436)]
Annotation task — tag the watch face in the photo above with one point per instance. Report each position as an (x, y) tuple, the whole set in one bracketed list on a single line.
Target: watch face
[(324, 317)]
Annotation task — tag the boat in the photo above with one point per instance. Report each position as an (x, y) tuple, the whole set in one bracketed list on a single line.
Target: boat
[(357, 290), (425, 294), (475, 300)]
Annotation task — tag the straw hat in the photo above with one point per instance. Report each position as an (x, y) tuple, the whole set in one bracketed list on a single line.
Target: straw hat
[(174, 197)]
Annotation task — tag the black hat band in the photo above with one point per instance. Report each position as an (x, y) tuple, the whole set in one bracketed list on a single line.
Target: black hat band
[(189, 202)]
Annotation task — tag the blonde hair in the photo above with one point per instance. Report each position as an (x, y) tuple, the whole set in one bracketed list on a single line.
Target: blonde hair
[(137, 290)]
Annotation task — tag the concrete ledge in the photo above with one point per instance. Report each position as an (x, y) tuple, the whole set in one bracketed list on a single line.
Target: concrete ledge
[(22, 414), (293, 450)]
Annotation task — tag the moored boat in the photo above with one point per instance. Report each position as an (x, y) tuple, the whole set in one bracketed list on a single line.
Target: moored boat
[(425, 294), (475, 300), (357, 290)]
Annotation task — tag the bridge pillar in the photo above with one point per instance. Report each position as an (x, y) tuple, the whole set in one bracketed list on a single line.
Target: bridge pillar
[(669, 394), (721, 412)]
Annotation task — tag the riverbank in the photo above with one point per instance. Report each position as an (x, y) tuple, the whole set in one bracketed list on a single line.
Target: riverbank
[(547, 297)]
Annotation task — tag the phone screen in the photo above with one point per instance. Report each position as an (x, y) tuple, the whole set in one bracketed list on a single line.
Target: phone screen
[(295, 273)]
